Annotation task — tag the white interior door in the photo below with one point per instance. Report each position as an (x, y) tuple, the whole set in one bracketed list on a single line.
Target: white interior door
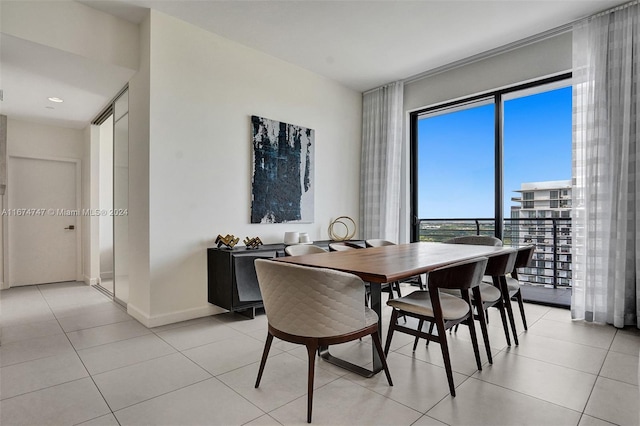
[(43, 221)]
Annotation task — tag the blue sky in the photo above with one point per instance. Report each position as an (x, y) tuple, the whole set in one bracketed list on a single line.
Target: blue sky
[(456, 154)]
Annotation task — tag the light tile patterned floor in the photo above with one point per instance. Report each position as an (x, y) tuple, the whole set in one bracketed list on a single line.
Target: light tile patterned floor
[(69, 355)]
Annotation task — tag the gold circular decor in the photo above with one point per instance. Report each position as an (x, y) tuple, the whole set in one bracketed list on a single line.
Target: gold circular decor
[(344, 222)]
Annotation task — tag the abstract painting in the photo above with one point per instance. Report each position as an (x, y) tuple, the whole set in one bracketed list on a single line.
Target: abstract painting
[(282, 186)]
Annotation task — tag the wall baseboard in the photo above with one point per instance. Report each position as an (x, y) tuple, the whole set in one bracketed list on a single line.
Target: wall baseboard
[(89, 281), (150, 321)]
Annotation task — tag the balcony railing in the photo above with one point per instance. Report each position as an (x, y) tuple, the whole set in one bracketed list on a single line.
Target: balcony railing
[(551, 264)]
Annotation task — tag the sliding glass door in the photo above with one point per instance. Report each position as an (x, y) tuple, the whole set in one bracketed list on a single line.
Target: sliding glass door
[(499, 164)]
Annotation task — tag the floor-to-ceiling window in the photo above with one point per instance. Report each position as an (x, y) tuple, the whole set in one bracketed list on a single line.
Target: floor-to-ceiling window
[(456, 164), (499, 164)]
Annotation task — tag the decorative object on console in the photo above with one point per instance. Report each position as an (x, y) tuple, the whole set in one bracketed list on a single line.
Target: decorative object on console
[(291, 237), (252, 243), (228, 240), (282, 185), (304, 238), (344, 222)]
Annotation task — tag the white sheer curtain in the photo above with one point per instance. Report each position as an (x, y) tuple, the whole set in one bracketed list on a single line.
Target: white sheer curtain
[(606, 168), (380, 165)]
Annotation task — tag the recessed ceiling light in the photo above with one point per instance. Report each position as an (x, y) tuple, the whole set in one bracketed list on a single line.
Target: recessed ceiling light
[(54, 99)]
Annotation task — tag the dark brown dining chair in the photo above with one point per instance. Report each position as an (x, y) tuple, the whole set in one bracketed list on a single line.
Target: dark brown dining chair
[(442, 309), (523, 259), (479, 240), (314, 307), (493, 287)]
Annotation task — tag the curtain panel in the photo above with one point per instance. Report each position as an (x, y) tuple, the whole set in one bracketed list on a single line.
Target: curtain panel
[(606, 168), (380, 162)]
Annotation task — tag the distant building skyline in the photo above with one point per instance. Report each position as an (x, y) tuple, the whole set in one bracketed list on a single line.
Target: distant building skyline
[(546, 200)]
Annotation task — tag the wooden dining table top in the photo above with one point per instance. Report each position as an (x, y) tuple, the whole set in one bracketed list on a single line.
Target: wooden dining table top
[(395, 262)]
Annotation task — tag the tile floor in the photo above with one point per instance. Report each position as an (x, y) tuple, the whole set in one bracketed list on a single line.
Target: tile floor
[(70, 356)]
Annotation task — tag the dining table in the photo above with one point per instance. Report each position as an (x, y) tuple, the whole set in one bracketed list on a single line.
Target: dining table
[(387, 264)]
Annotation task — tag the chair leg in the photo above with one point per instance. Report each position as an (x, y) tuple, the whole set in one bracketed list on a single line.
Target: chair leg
[(445, 355), (397, 285), (474, 337), (311, 351), (507, 302), (503, 315), (265, 354), (521, 305), (376, 341), (392, 323), (415, 342), (430, 331), (483, 327)]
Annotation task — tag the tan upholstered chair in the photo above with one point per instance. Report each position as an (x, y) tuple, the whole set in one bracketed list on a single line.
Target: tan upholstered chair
[(343, 245), (378, 242), (442, 309), (314, 307), (301, 249), (523, 258)]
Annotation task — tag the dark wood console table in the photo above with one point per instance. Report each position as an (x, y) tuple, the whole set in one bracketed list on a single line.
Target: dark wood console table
[(231, 277)]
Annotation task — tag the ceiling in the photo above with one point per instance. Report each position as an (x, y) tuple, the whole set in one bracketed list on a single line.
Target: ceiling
[(361, 44)]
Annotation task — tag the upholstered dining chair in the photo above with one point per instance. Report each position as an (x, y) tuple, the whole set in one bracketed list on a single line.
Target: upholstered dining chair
[(301, 249), (442, 309), (343, 246), (493, 289), (314, 307), (523, 259), (378, 242)]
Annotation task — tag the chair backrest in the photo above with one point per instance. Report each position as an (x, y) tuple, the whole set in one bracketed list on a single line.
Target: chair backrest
[(300, 249), (460, 275), (501, 264), (479, 240), (525, 254), (523, 258), (377, 242), (343, 246), (310, 302)]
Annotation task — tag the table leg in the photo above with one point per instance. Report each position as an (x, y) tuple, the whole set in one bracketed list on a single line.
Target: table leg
[(376, 305)]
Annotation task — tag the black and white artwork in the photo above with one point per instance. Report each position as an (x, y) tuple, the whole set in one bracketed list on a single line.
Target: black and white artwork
[(282, 186)]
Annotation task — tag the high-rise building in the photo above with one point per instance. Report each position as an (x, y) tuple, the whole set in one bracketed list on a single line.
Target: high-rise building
[(543, 218)]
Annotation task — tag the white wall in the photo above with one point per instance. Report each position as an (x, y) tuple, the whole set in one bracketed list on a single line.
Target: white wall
[(31, 139), (203, 90), (90, 193), (73, 27), (139, 303), (535, 61)]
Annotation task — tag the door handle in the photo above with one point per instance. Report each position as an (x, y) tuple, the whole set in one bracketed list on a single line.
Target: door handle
[(71, 227)]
